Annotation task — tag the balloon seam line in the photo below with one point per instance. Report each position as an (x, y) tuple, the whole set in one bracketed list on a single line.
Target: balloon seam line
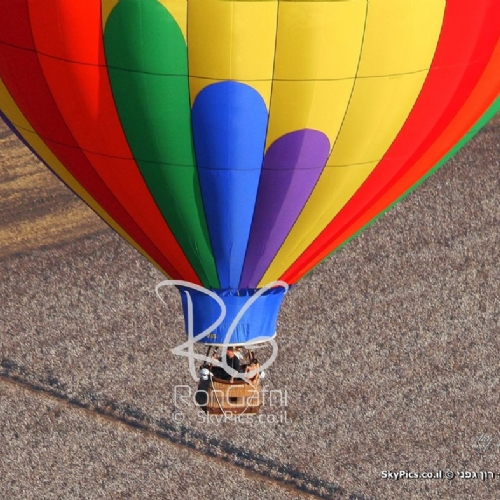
[(205, 226), (465, 138), (77, 148), (133, 159), (272, 80), (331, 150), (379, 160), (202, 77)]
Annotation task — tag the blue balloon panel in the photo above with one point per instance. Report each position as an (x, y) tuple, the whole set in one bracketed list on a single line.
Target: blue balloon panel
[(229, 132), (258, 323)]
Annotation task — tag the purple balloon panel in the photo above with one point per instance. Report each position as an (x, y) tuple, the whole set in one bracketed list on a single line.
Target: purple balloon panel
[(292, 167)]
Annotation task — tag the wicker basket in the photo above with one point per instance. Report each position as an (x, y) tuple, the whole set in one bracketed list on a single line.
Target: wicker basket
[(234, 398)]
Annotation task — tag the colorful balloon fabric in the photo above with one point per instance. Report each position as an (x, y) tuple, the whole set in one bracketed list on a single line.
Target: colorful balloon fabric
[(237, 142)]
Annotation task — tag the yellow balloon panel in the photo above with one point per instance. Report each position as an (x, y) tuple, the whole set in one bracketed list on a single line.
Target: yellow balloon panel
[(381, 105), (318, 105), (319, 40), (231, 40), (400, 36)]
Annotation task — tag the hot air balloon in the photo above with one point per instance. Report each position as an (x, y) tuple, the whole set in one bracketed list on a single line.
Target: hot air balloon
[(236, 143)]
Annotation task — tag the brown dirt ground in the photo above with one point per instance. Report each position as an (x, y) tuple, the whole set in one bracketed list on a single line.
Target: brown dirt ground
[(388, 356), (35, 210)]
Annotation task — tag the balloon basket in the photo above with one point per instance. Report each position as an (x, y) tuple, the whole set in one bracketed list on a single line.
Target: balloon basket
[(223, 393), (223, 397)]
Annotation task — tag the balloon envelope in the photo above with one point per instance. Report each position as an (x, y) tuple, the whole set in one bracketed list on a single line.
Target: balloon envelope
[(236, 143)]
